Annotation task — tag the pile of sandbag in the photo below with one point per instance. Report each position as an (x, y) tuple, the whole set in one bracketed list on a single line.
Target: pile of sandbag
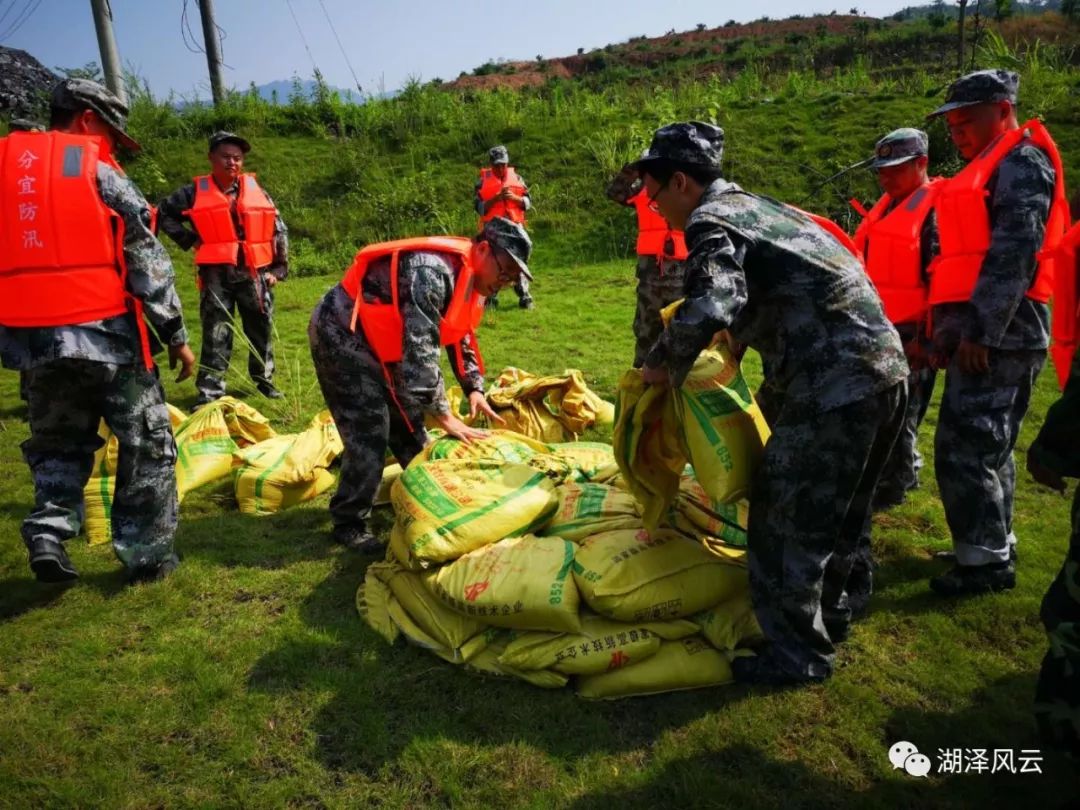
[(227, 438), (556, 408), (530, 560)]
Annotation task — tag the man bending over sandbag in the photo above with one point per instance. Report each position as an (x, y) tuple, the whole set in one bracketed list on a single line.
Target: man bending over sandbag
[(375, 340), (787, 288)]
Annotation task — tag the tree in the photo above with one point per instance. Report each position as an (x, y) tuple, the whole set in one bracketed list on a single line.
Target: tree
[(1003, 9), (700, 27), (960, 35), (854, 11)]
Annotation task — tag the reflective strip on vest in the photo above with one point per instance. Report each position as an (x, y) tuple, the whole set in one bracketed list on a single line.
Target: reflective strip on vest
[(891, 245), (490, 186), (963, 219), (211, 215), (59, 259), (655, 236), (382, 323)]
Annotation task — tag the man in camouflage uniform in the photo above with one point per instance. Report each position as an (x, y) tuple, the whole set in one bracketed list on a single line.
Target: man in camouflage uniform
[(660, 277), (785, 287), (900, 160), (224, 288), (82, 373), (371, 412), (499, 158), (1053, 456), (992, 346)]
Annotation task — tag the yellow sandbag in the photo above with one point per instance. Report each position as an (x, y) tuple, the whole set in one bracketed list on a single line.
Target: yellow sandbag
[(414, 634), (696, 513), (587, 509), (602, 645), (176, 416), (730, 624), (687, 664), (487, 662), (450, 507), (590, 460), (446, 627), (647, 447), (397, 550), (550, 409), (521, 582), (99, 489), (641, 576), (723, 429), (390, 474), (499, 445), (373, 599), (286, 470), (204, 448), (245, 424)]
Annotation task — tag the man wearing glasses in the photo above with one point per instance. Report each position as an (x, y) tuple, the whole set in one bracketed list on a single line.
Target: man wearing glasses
[(785, 287)]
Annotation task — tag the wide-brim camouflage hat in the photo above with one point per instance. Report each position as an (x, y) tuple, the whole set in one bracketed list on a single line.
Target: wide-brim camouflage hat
[(900, 146), (77, 95), (980, 87), (221, 136), (691, 142), (499, 154), (510, 237)]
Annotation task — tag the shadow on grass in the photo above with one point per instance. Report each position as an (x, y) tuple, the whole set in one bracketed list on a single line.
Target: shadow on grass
[(24, 593), (390, 699)]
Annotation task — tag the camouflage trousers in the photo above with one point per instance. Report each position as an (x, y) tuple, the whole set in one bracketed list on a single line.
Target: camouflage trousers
[(253, 300), (902, 469), (363, 408), (657, 286), (978, 423), (1057, 695), (810, 508), (522, 290), (67, 401)]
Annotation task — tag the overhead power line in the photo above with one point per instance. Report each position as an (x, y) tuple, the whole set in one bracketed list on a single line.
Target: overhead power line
[(300, 31), (27, 12), (341, 47)]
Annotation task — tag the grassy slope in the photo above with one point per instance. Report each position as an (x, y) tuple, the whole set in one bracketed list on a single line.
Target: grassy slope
[(248, 680)]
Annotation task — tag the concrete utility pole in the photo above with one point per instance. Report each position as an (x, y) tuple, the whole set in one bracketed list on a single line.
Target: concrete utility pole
[(110, 57), (213, 52)]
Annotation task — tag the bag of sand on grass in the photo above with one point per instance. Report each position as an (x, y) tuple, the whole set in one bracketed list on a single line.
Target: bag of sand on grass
[(687, 664), (449, 507)]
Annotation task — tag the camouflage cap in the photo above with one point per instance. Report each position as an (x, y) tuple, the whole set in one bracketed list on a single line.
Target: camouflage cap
[(24, 125), (510, 237), (900, 146), (221, 136), (980, 87), (77, 95), (498, 154), (692, 142)]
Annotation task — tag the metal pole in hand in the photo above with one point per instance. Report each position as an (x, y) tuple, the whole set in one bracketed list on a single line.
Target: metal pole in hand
[(110, 57)]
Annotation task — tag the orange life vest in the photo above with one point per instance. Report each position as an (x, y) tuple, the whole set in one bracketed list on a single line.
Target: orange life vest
[(1065, 325), (490, 186), (655, 236), (963, 221), (211, 214), (895, 263), (61, 247), (382, 323)]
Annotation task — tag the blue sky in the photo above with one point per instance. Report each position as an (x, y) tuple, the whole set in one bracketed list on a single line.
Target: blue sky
[(387, 42)]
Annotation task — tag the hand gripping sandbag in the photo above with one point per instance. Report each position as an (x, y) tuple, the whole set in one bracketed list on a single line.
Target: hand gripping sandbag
[(588, 509), (525, 583), (687, 664), (601, 645), (636, 576), (449, 507)]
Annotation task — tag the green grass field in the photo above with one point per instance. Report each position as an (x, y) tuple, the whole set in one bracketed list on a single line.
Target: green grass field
[(248, 680)]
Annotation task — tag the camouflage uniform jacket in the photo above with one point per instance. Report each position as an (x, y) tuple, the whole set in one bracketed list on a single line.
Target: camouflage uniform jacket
[(999, 313), (425, 286), (173, 223), (787, 289), (149, 278)]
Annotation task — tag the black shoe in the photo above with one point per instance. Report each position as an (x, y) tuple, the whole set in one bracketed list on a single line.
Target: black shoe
[(967, 580), (202, 401), (763, 669), (49, 561), (887, 499), (359, 539), (154, 573), (526, 303), (268, 390), (491, 303), (838, 631), (950, 556)]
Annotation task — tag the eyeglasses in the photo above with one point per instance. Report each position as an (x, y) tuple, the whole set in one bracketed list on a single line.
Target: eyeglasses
[(505, 275), (654, 206)]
